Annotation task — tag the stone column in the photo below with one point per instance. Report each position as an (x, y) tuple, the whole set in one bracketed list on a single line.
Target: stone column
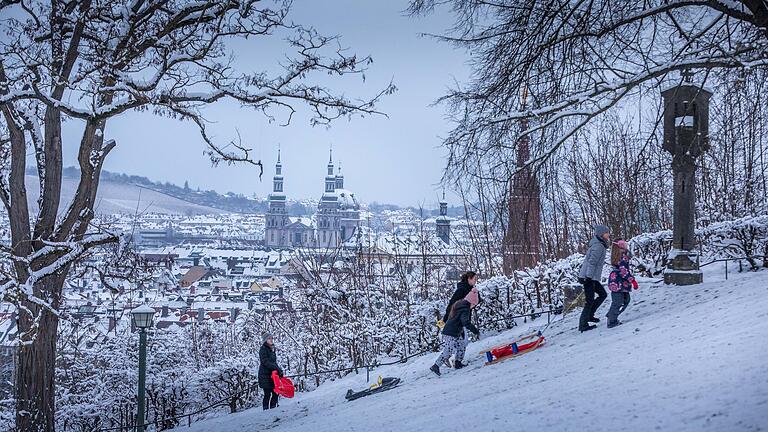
[(686, 137)]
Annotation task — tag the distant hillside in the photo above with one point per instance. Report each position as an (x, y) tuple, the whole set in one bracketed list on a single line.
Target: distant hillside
[(123, 193), (114, 197), (230, 202)]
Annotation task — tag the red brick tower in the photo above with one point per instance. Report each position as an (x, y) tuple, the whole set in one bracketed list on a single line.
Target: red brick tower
[(522, 244)]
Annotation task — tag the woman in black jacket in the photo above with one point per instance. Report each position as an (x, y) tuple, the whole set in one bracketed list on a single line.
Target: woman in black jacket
[(453, 331), (468, 281), (268, 360)]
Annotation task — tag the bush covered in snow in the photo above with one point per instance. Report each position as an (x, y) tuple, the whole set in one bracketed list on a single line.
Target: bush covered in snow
[(528, 291), (188, 368), (745, 238)]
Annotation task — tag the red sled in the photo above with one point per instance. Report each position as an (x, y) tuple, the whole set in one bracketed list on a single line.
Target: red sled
[(283, 386), (513, 349)]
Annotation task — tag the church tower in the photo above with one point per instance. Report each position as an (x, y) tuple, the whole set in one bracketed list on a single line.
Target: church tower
[(339, 178), (522, 243), (277, 214), (328, 217), (349, 210), (443, 222)]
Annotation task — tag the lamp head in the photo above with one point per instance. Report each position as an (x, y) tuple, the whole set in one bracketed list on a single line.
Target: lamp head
[(142, 316)]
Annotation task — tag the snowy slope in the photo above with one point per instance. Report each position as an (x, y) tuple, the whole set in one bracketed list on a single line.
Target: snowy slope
[(686, 359), (114, 198)]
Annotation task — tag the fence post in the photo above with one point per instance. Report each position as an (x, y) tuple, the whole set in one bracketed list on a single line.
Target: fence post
[(368, 374), (726, 269)]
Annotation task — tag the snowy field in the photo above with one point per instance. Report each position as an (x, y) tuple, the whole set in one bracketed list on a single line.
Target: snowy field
[(685, 359), (115, 198)]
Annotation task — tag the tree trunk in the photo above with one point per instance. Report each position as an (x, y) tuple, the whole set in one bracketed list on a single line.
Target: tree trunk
[(35, 377), (35, 371)]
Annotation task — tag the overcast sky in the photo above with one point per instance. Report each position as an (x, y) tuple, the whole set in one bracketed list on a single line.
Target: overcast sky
[(394, 160)]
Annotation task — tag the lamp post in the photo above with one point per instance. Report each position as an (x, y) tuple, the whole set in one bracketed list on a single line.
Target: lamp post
[(142, 319)]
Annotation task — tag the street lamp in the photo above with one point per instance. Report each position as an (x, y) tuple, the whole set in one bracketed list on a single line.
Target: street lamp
[(142, 319)]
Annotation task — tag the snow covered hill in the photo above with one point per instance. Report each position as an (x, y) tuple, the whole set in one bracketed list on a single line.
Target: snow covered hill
[(114, 198), (686, 359)]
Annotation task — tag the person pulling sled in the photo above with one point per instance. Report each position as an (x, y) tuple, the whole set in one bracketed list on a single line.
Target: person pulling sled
[(454, 341)]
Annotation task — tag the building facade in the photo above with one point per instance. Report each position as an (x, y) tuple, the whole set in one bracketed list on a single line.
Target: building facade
[(336, 221), (276, 220)]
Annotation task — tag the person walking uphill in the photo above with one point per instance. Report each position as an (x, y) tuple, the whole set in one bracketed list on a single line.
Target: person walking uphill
[(590, 274), (468, 281), (268, 363), (453, 339), (620, 282)]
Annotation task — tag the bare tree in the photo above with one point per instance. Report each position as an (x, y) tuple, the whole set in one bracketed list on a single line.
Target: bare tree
[(735, 170), (581, 58), (578, 60), (90, 61)]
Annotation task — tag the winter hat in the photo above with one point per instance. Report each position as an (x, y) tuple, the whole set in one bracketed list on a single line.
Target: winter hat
[(600, 230), (622, 244), (265, 336), (473, 297)]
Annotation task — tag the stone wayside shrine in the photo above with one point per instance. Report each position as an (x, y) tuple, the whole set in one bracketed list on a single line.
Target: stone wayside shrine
[(686, 137)]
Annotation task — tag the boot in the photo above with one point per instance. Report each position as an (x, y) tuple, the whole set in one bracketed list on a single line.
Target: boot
[(436, 369), (447, 363), (594, 320), (457, 364), (614, 324), (587, 328)]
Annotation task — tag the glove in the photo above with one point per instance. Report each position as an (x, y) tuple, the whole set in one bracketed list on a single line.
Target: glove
[(634, 284), (582, 280), (440, 324)]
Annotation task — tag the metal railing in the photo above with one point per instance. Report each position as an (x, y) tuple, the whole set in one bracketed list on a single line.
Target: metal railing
[(763, 257), (532, 315), (217, 404)]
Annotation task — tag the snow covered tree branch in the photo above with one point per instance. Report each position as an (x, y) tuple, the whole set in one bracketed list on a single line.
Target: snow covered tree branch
[(578, 59), (88, 62)]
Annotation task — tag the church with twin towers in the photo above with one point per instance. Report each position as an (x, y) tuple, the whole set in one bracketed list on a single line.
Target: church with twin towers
[(336, 221)]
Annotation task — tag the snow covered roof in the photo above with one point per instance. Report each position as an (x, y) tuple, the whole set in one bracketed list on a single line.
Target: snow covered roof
[(302, 220), (347, 200)]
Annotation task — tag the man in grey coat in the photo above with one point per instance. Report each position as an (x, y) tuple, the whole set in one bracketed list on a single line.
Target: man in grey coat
[(590, 274)]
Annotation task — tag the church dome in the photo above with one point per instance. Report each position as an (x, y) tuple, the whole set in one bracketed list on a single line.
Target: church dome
[(347, 200)]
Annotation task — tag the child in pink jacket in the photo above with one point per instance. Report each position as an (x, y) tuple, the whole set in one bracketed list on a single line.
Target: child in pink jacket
[(620, 282)]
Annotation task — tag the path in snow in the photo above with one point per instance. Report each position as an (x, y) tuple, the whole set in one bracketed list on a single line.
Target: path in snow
[(685, 359)]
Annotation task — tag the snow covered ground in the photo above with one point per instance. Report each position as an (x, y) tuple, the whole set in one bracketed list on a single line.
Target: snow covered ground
[(114, 198), (686, 359)]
